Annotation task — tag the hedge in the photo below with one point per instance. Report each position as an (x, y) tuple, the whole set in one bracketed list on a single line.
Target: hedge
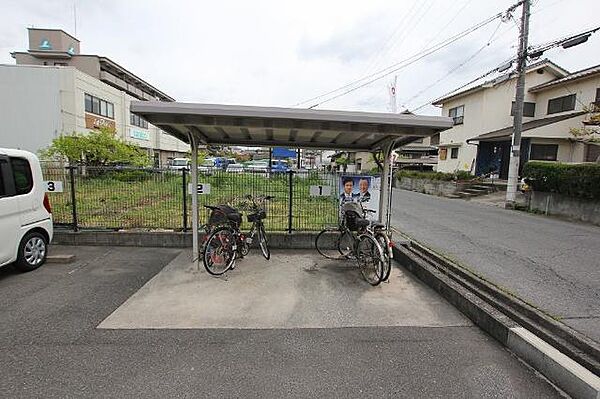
[(459, 175), (573, 180)]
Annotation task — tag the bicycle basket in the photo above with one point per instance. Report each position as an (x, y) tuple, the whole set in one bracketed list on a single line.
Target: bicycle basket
[(225, 215), (255, 217)]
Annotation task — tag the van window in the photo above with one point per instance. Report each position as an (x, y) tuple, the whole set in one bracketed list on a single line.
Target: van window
[(22, 175), (3, 164)]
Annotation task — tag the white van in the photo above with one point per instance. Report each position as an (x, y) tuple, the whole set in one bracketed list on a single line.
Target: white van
[(25, 213)]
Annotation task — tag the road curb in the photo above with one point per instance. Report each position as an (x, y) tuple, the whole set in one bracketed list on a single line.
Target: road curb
[(560, 369)]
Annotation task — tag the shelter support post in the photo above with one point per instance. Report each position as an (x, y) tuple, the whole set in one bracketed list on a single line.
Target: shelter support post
[(385, 203), (194, 181)]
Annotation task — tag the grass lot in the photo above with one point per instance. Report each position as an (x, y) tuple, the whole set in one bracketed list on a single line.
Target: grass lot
[(139, 199)]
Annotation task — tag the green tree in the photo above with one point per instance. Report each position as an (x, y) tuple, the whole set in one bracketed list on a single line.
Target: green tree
[(97, 148)]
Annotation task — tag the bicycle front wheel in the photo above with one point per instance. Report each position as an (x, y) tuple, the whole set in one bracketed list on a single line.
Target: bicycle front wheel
[(384, 243), (218, 254), (263, 243), (370, 259)]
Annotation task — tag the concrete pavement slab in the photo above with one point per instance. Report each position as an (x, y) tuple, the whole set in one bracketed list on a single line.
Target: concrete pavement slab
[(50, 347), (295, 289)]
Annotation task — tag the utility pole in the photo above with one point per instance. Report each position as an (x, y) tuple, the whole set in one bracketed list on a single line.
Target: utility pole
[(515, 153)]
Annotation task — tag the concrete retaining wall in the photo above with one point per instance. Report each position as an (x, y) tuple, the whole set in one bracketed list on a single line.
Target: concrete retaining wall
[(170, 239), (561, 205), (432, 187)]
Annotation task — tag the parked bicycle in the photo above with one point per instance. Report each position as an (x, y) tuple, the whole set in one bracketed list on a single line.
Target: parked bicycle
[(358, 238), (225, 243)]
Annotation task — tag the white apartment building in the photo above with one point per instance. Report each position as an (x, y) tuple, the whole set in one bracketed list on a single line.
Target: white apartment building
[(54, 90), (555, 102)]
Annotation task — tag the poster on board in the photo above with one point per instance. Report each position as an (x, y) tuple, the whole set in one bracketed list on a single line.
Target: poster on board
[(362, 189)]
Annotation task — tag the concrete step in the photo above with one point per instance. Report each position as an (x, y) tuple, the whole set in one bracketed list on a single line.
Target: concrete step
[(476, 191), (482, 187)]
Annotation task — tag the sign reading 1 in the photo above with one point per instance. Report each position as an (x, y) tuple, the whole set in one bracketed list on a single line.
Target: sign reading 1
[(320, 191)]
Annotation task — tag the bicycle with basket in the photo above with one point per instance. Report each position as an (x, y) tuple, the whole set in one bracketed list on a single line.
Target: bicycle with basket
[(358, 238), (224, 241)]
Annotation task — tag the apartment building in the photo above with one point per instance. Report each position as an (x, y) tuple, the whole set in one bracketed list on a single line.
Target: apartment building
[(555, 102), (54, 89)]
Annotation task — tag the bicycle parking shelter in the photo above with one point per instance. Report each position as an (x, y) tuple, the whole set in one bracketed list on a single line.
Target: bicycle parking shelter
[(253, 126)]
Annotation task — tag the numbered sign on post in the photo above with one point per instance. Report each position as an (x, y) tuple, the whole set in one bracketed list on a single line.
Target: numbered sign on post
[(320, 191), (53, 186), (203, 188)]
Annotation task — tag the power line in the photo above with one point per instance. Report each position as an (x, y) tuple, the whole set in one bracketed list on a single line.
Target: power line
[(457, 89), (456, 68), (404, 21), (411, 27), (404, 63), (396, 67), (542, 48)]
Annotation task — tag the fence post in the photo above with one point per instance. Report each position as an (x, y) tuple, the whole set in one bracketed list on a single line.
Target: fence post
[(291, 195), (184, 188), (73, 197)]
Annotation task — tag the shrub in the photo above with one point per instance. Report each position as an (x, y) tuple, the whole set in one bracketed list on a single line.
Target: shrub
[(441, 176), (573, 180)]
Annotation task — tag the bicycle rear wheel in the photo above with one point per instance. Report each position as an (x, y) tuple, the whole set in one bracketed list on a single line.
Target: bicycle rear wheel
[(370, 259), (218, 253), (334, 244)]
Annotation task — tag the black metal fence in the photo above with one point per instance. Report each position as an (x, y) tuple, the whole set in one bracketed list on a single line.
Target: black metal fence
[(131, 198)]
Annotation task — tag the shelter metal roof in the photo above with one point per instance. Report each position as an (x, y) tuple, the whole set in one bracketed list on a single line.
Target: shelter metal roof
[(217, 124)]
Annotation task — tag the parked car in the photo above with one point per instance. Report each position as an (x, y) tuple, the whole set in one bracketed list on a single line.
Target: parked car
[(235, 168), (179, 164), (25, 213), (207, 166), (257, 167), (278, 166)]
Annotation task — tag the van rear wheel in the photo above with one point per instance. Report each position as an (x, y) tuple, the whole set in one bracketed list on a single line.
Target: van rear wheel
[(33, 251)]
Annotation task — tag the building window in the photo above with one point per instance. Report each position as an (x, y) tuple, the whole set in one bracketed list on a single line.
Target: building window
[(597, 101), (138, 121), (100, 107), (528, 109), (22, 175), (592, 153), (457, 113), (543, 152), (454, 153), (561, 104)]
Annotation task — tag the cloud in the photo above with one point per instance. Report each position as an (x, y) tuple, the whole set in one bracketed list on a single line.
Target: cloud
[(270, 52)]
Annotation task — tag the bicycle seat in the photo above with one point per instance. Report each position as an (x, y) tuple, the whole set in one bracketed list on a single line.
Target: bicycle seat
[(377, 225)]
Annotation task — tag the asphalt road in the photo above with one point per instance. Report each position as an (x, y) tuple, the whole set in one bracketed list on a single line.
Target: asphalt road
[(50, 347), (551, 263)]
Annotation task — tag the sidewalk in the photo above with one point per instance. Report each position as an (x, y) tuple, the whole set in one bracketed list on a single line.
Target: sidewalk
[(550, 263)]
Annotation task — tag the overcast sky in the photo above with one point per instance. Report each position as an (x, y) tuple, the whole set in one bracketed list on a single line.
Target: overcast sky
[(282, 52)]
